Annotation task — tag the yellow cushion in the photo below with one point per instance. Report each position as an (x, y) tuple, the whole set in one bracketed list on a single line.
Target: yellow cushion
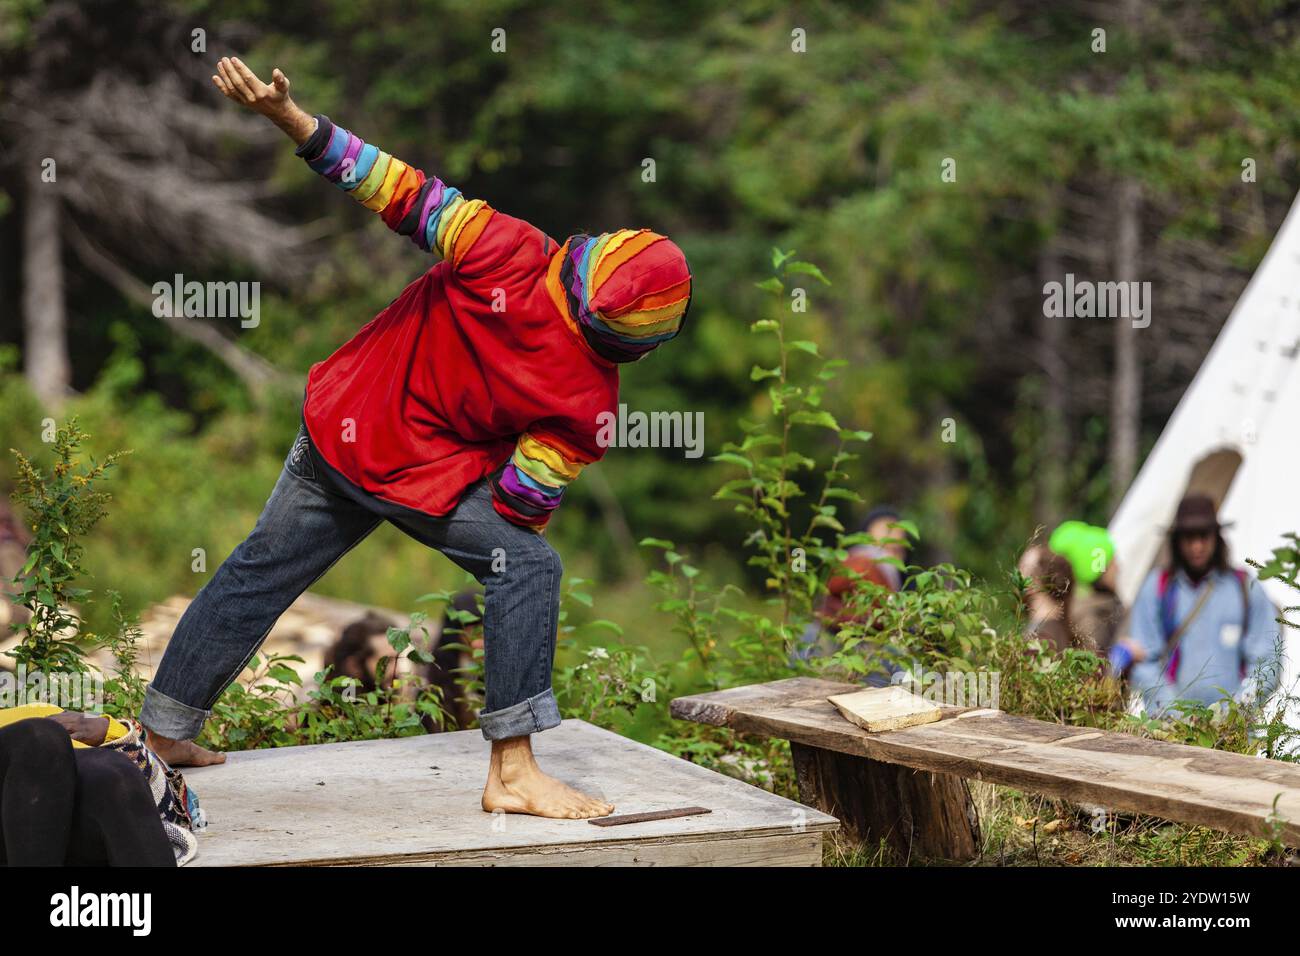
[(11, 715)]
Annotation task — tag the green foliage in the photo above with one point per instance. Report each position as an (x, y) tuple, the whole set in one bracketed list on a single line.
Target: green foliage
[(123, 687), (16, 19), (948, 623), (270, 708), (63, 503), (787, 536), (606, 684), (609, 679), (1283, 565)]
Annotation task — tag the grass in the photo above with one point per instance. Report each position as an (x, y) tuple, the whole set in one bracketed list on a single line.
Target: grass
[(1024, 829)]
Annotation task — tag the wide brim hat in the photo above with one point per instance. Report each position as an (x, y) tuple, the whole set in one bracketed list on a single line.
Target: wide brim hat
[(1196, 512)]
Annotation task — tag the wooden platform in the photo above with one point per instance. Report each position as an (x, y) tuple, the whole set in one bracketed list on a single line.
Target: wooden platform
[(1194, 785), (415, 801)]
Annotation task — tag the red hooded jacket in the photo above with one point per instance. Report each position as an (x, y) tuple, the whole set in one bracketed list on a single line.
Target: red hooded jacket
[(478, 369)]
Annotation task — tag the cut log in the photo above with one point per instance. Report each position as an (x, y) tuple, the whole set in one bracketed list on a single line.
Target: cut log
[(918, 814)]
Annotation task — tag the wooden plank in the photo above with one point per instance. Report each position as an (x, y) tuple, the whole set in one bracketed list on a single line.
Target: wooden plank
[(1226, 791), (885, 708), (415, 800), (794, 849)]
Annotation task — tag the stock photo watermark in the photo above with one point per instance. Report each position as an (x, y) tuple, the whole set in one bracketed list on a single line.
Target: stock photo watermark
[(953, 688), (193, 299), (83, 692), (637, 429), (1085, 299), (76, 908)]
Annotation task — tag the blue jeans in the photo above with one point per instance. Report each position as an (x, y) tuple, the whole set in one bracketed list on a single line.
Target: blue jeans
[(315, 516)]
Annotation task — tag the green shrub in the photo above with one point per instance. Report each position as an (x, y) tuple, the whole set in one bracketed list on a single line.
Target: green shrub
[(62, 502)]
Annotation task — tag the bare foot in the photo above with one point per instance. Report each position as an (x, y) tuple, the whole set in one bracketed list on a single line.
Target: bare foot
[(517, 785), (182, 753)]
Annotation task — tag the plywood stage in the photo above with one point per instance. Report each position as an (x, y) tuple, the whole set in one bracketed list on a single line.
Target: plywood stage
[(415, 801)]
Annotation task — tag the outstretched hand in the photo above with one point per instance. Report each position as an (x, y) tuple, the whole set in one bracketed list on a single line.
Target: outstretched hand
[(240, 84)]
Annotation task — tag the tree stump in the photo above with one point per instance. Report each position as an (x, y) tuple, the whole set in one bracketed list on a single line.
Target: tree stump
[(917, 813)]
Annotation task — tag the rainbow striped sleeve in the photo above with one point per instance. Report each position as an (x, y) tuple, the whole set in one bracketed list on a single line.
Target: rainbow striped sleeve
[(437, 217), (528, 488)]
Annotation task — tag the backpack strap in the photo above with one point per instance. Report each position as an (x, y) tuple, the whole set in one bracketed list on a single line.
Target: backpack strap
[(1165, 603), (1164, 595), (1174, 631)]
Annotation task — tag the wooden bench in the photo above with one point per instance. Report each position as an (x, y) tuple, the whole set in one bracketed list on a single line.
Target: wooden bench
[(415, 801), (906, 787)]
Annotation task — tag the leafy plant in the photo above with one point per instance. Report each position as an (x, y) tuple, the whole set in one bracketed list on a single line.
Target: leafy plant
[(608, 684), (63, 503), (124, 688), (270, 710), (789, 501), (1283, 565)]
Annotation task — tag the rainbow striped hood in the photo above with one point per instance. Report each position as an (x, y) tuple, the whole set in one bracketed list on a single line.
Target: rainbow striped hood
[(628, 291)]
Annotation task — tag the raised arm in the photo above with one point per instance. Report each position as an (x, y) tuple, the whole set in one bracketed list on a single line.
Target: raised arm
[(435, 216)]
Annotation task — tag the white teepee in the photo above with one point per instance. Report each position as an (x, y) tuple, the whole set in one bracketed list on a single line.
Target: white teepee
[(1234, 435)]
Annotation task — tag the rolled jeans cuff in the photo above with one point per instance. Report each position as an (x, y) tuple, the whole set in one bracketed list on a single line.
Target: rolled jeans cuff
[(529, 716), (170, 718)]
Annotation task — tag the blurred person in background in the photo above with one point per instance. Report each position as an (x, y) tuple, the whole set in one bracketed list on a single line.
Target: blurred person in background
[(1047, 597), (882, 562), (1200, 629), (364, 643), (453, 656), (1095, 608), (358, 651)]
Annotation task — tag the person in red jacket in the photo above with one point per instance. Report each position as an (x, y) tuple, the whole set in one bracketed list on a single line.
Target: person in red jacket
[(460, 413)]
